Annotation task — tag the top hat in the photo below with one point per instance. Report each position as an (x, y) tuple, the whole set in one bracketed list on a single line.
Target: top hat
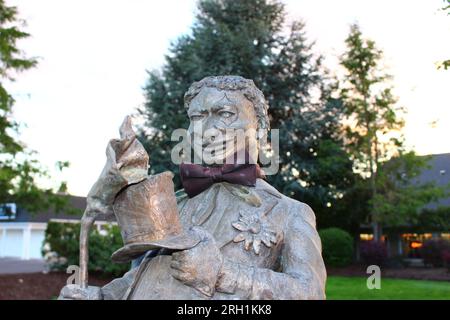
[(148, 218)]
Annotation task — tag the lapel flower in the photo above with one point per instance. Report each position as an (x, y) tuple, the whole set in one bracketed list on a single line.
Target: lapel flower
[(254, 230)]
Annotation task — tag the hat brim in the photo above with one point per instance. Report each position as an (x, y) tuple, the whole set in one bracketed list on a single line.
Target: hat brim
[(134, 250)]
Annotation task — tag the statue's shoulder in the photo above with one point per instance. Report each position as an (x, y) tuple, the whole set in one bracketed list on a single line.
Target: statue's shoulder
[(295, 209)]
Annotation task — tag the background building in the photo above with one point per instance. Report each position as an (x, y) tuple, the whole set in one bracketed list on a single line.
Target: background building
[(407, 240), (22, 233)]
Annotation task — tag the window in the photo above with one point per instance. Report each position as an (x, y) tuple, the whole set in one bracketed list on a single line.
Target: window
[(366, 236), (8, 211)]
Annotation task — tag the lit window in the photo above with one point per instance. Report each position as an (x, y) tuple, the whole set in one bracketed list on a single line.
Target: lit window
[(366, 236), (407, 236), (415, 245)]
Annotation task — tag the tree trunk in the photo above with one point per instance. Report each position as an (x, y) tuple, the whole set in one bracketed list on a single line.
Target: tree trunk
[(377, 231)]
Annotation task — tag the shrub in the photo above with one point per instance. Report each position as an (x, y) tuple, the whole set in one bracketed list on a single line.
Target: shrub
[(337, 247), (446, 258), (61, 248), (433, 251), (373, 252)]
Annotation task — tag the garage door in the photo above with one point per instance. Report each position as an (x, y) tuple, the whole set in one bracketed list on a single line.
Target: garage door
[(13, 244)]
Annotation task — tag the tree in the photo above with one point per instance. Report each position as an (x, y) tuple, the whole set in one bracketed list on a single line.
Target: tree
[(446, 64), (374, 139), (18, 169), (249, 38), (401, 197)]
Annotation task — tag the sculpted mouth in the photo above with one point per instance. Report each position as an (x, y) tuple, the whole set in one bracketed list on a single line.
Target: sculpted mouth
[(217, 144), (214, 144)]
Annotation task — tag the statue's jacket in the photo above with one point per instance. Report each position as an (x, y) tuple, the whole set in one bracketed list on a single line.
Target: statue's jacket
[(269, 244)]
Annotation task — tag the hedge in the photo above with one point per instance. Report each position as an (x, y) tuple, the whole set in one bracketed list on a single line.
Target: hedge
[(337, 247), (61, 248), (436, 252), (373, 252)]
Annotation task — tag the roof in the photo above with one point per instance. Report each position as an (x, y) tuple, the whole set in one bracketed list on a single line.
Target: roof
[(439, 173), (74, 202)]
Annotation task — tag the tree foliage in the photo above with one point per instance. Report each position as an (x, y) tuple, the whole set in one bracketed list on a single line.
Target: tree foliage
[(337, 247), (446, 64), (251, 38), (12, 61), (19, 170), (61, 248), (373, 137), (401, 197), (373, 118)]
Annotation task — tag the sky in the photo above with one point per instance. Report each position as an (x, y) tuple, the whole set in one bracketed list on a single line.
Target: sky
[(94, 56)]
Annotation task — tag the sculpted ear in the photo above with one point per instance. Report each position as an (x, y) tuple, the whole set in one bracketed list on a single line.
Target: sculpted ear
[(261, 135)]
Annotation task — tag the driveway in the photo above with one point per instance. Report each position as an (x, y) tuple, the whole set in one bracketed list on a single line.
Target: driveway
[(15, 265)]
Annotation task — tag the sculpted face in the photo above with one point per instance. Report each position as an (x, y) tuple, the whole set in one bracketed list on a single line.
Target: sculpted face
[(221, 123)]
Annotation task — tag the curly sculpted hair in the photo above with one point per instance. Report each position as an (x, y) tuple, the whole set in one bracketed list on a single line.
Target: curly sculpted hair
[(234, 83)]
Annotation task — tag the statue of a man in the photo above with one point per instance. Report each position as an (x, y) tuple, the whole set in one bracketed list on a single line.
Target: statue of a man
[(256, 243)]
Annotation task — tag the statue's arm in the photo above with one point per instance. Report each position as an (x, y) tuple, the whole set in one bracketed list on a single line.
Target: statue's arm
[(116, 289), (303, 273)]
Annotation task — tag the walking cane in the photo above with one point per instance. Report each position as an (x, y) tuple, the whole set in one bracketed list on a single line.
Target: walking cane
[(127, 163), (86, 223)]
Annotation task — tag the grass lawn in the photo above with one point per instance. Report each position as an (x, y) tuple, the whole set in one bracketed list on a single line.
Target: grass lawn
[(355, 288)]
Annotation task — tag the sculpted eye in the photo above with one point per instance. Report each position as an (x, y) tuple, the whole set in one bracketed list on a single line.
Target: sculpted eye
[(226, 114), (196, 117)]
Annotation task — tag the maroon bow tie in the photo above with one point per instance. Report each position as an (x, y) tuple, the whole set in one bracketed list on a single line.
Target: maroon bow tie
[(196, 178)]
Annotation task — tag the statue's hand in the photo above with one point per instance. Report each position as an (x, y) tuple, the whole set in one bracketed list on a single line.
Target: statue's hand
[(198, 267), (75, 292)]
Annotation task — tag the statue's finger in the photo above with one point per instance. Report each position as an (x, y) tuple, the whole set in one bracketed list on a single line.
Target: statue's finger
[(180, 275), (72, 292), (126, 129), (179, 255), (175, 264)]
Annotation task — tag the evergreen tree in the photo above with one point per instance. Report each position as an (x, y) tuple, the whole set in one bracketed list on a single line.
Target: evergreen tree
[(374, 139), (249, 38), (11, 62), (18, 169)]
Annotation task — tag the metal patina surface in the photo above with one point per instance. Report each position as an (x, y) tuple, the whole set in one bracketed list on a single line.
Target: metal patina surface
[(228, 242)]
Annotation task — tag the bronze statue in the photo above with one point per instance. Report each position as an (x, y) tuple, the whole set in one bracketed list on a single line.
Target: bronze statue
[(228, 235)]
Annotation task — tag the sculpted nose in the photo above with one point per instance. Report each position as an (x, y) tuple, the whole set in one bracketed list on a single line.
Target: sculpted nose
[(214, 124), (209, 124)]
